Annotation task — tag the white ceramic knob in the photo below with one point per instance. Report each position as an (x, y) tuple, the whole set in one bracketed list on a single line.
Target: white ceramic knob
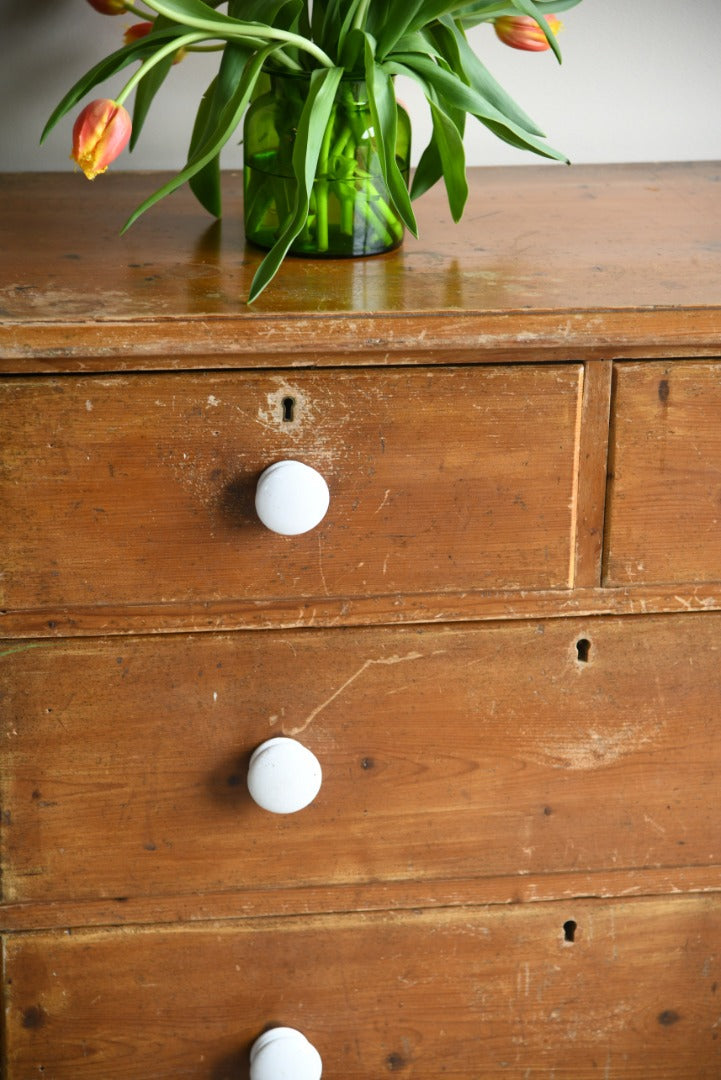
[(284, 1054), (291, 498), (283, 775)]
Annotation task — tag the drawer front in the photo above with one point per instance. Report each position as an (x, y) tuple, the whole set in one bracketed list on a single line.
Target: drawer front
[(447, 752), (130, 491), (664, 515), (465, 993)]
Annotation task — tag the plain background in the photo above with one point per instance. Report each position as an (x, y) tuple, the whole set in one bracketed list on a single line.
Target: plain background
[(640, 81)]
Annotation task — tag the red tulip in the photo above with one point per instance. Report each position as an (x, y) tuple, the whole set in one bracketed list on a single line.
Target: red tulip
[(140, 30), (100, 134), (108, 7), (523, 32), (137, 31)]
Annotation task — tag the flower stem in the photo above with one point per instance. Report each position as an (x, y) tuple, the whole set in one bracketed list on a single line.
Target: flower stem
[(165, 50), (361, 14), (225, 28), (322, 185), (133, 10)]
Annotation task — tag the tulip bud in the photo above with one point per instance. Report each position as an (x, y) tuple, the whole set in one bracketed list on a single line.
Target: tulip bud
[(108, 7), (100, 134), (523, 32)]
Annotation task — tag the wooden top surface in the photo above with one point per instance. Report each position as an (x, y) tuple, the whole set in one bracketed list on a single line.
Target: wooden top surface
[(549, 262)]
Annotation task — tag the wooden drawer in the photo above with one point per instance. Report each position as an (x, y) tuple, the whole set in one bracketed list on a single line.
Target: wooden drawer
[(139, 491), (463, 993), (664, 515), (462, 751)]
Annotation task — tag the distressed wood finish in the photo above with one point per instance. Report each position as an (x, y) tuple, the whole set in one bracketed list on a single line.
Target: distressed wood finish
[(120, 492), (464, 993), (548, 263), (665, 491), (502, 642), (475, 752)]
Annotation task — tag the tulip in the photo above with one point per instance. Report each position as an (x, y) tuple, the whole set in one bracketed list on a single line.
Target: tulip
[(100, 134), (140, 30), (523, 32), (108, 7), (136, 31)]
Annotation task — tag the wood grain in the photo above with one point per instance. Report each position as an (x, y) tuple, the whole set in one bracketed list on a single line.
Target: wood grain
[(464, 993), (548, 263), (664, 503), (120, 492), (592, 474), (475, 751)]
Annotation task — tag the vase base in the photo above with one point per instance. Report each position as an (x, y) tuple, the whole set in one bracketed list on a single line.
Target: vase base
[(346, 218), (301, 253)]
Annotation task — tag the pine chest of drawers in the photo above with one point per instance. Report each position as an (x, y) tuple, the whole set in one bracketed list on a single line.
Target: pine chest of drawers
[(501, 644)]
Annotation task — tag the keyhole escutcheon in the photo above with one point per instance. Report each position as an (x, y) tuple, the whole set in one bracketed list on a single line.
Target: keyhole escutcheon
[(288, 409)]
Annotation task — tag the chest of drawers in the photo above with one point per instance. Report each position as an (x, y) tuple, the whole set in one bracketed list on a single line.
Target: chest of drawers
[(501, 643)]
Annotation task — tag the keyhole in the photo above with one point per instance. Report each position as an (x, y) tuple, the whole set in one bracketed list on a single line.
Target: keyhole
[(583, 648), (569, 930), (288, 405)]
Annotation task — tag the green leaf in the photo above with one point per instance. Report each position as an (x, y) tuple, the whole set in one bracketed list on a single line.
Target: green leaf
[(428, 171), (406, 17), (228, 120), (312, 124), (449, 142), (351, 57), (150, 84), (384, 111), (144, 94), (478, 76), (452, 93), (205, 184)]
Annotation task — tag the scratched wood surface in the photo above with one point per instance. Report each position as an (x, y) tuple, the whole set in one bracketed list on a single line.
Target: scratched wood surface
[(473, 751), (466, 993), (664, 508), (119, 492), (548, 262)]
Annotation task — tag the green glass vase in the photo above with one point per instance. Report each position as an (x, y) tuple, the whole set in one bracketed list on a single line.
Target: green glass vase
[(351, 213)]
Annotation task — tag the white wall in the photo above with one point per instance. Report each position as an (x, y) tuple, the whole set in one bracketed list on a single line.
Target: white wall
[(640, 81)]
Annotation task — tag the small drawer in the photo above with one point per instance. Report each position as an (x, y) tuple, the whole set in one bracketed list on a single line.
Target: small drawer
[(664, 512), (446, 752), (581, 989), (131, 491)]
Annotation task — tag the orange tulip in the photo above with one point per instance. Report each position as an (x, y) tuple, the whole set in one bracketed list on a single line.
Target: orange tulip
[(523, 32), (100, 134), (108, 7)]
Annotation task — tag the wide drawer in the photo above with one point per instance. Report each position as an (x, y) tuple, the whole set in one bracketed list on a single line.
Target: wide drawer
[(619, 990), (664, 512), (131, 491), (447, 752)]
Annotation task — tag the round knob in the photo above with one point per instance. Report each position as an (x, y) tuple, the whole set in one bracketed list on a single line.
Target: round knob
[(284, 1054), (291, 498), (283, 776)]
